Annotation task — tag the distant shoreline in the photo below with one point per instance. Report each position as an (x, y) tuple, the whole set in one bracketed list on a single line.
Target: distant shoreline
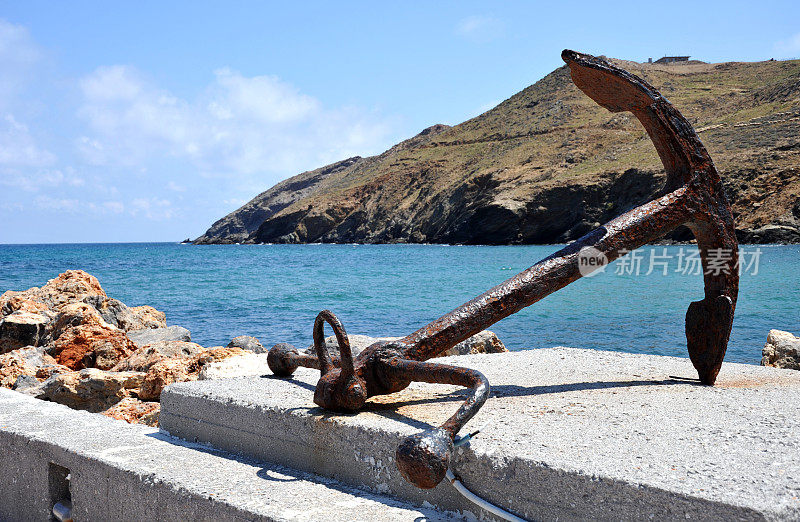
[(660, 243)]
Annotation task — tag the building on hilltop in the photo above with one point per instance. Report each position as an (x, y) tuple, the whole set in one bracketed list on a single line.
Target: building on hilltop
[(670, 59)]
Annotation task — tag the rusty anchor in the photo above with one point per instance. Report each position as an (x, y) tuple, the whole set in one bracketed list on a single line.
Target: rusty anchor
[(693, 196)]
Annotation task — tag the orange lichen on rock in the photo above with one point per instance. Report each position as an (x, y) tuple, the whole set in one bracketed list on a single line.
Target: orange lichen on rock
[(92, 346), (166, 372), (12, 301), (218, 353), (135, 411), (149, 317), (69, 287), (11, 368)]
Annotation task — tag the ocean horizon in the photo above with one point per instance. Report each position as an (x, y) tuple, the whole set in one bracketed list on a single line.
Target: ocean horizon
[(273, 292)]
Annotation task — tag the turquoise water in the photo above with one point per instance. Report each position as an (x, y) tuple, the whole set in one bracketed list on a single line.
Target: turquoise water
[(274, 291)]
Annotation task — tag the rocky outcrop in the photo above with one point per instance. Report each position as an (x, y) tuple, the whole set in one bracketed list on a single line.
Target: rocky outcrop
[(546, 166), (148, 355), (89, 389), (782, 350), (22, 362), (237, 226), (69, 342), (166, 372), (248, 343), (22, 328), (134, 411), (181, 369), (154, 335), (92, 346), (92, 352)]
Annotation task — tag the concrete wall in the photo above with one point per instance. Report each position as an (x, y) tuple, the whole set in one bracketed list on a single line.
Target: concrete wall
[(125, 472)]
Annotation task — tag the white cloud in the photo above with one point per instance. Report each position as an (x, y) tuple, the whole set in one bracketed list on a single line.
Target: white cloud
[(17, 146), (175, 187), (239, 125), (113, 207), (152, 208), (480, 28), (262, 98), (19, 151), (58, 204), (18, 55), (76, 206), (42, 179), (789, 48)]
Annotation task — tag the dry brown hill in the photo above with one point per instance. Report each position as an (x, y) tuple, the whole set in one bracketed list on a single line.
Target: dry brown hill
[(547, 165)]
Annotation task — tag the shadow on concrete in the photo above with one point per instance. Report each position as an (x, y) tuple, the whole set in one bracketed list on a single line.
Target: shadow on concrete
[(291, 380), (277, 473), (389, 409)]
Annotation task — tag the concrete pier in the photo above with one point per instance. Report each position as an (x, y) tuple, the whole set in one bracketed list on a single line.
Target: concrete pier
[(112, 470), (567, 434)]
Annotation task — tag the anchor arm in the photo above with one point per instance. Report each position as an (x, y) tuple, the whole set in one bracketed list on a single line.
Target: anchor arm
[(423, 458)]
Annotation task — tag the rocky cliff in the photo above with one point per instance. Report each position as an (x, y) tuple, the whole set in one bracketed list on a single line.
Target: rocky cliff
[(546, 166)]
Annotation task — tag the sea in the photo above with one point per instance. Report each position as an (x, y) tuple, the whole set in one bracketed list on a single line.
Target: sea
[(636, 304)]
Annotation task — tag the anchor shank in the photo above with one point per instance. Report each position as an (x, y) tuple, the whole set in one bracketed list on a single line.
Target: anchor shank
[(626, 232)]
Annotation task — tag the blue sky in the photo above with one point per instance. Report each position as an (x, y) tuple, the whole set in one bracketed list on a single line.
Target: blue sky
[(147, 121)]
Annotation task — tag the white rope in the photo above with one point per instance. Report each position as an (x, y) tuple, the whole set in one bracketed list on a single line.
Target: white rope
[(475, 499)]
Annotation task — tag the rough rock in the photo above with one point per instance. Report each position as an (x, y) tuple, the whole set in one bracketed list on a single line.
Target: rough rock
[(34, 356), (782, 350), (70, 287), (482, 342), (12, 301), (113, 311), (249, 365), (92, 346), (218, 353), (166, 372), (20, 362), (145, 357), (68, 342), (23, 328), (89, 389), (152, 335), (46, 371), (25, 382), (148, 317), (249, 343), (11, 370), (118, 314), (134, 411), (76, 314)]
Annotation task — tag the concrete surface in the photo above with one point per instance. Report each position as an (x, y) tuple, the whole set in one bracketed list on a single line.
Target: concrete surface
[(567, 434), (120, 471)]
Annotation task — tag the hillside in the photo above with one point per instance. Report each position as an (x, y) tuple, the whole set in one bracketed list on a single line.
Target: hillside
[(546, 166)]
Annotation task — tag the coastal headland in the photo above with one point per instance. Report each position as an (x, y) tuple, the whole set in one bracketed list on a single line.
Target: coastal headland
[(548, 165)]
